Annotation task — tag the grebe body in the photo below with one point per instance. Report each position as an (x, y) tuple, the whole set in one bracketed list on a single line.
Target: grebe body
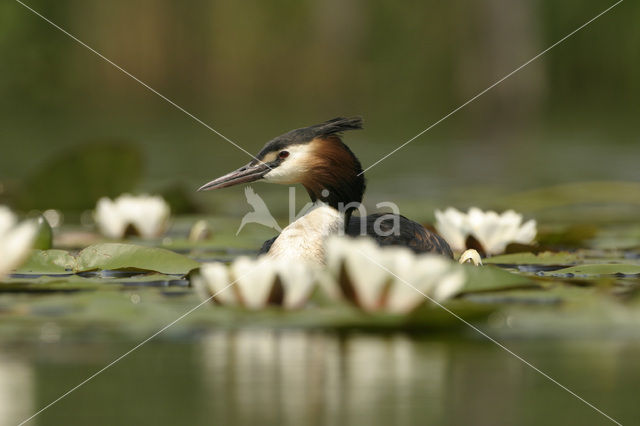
[(317, 158)]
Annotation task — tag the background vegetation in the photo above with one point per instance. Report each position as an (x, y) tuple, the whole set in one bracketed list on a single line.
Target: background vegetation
[(255, 70)]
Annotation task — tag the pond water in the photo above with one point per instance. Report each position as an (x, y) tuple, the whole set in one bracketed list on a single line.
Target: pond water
[(332, 365), (257, 376)]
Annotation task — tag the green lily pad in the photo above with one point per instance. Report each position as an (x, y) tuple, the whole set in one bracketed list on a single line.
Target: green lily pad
[(531, 297), (51, 284), (108, 256), (598, 270), (128, 256), (492, 278), (44, 284), (545, 258), (48, 262)]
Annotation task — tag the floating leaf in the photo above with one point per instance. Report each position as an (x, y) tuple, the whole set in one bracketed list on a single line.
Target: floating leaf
[(48, 262), (108, 256), (129, 256), (597, 270), (430, 317), (56, 284), (35, 283), (545, 258), (535, 297), (492, 278)]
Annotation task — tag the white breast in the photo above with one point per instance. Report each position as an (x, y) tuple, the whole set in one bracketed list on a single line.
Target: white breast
[(303, 240)]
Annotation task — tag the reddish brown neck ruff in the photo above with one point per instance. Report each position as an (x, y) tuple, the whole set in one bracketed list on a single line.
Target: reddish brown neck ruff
[(335, 175)]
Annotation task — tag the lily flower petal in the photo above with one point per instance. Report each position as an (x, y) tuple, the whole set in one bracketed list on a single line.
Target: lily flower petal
[(217, 280), (108, 218), (16, 241), (254, 279), (368, 279), (452, 226), (298, 282), (449, 285), (7, 220)]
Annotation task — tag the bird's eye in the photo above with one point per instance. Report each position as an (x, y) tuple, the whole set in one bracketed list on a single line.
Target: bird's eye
[(283, 154)]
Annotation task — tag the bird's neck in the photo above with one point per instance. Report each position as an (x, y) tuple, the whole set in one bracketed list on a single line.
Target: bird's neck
[(304, 239), (336, 178)]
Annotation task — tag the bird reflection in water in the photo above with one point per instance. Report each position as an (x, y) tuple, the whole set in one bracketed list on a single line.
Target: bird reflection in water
[(294, 377)]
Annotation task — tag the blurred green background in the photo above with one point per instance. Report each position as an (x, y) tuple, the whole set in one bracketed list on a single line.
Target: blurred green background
[(255, 70)]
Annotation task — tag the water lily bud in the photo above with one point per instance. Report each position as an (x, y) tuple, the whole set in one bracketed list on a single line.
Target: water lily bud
[(44, 235), (54, 217), (471, 256), (200, 231)]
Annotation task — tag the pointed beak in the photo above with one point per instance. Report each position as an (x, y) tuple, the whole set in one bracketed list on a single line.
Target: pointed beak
[(245, 174)]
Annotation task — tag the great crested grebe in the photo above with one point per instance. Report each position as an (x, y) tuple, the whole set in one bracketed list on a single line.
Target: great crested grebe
[(316, 157)]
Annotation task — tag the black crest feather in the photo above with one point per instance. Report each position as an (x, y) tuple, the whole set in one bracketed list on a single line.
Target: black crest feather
[(336, 125), (307, 134)]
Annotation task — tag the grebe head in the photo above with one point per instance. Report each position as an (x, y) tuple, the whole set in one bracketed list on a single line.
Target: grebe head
[(313, 156)]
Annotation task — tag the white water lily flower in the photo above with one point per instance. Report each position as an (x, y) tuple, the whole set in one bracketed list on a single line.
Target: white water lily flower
[(369, 285), (492, 230), (148, 215), (453, 227), (16, 240), (392, 279), (257, 283)]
